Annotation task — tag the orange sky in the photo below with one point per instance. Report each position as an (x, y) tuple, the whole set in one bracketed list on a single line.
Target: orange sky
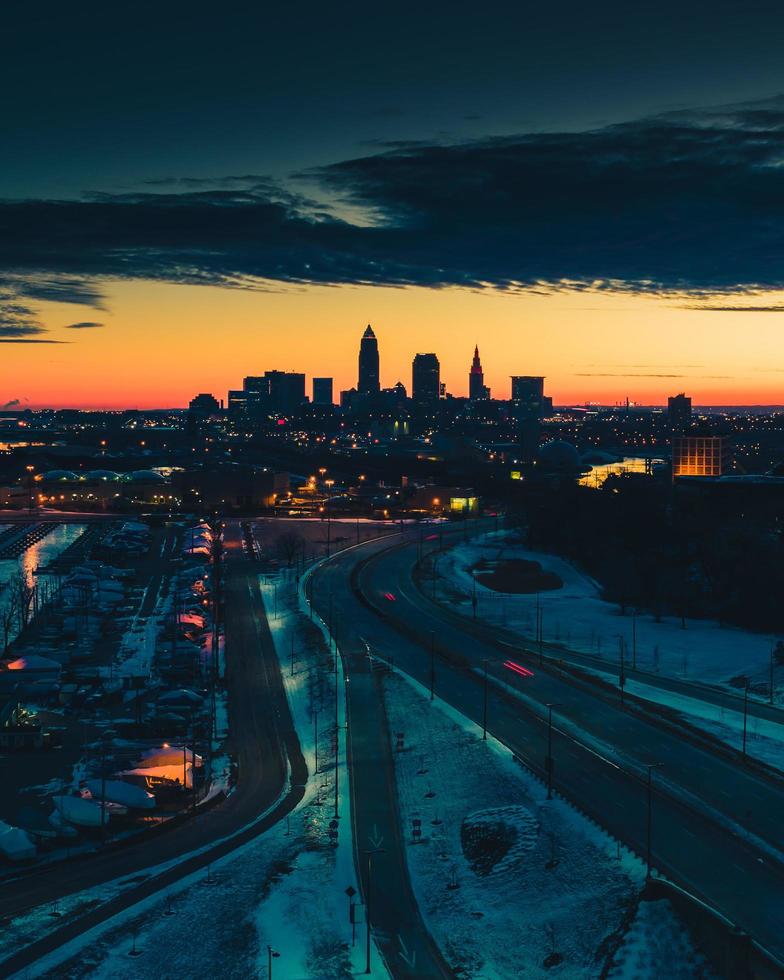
[(161, 344)]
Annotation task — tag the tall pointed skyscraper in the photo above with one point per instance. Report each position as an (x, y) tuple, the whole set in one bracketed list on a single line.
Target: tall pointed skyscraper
[(368, 383), (476, 378)]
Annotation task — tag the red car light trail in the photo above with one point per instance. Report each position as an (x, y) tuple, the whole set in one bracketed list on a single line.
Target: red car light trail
[(522, 671)]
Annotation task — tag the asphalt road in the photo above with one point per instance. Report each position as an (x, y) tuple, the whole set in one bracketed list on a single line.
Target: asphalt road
[(266, 744), (696, 850), (397, 924)]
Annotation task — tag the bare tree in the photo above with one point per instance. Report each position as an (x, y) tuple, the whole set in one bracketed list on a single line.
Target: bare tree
[(25, 594), (290, 545), (8, 616)]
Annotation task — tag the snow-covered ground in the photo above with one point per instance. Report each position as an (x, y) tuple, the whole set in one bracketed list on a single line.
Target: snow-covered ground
[(510, 884), (657, 945), (577, 617), (764, 739), (286, 889)]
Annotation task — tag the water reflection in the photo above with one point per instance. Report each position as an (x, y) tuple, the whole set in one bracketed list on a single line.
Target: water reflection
[(37, 556)]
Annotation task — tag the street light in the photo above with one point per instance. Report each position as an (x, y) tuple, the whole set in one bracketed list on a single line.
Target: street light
[(745, 714), (484, 702), (650, 767), (368, 902), (432, 666), (337, 726), (550, 706), (271, 954)]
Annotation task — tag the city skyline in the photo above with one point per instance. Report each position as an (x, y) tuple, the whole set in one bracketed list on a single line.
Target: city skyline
[(468, 191), (159, 376)]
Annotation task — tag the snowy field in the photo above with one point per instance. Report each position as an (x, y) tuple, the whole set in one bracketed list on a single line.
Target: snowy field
[(577, 617), (285, 889), (510, 884), (656, 946)]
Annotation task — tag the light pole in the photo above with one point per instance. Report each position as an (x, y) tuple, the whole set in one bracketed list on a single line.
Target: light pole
[(337, 727), (368, 902), (435, 566), (328, 484), (745, 714), (772, 648), (484, 701), (650, 767), (550, 706), (432, 666), (634, 638), (315, 754), (271, 954)]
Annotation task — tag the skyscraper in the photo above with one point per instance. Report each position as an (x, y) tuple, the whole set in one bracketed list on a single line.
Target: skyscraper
[(425, 378), (476, 379), (368, 382), (527, 410), (322, 391), (679, 412)]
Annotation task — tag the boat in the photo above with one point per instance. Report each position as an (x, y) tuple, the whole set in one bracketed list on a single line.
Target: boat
[(15, 843), (79, 811), (117, 791)]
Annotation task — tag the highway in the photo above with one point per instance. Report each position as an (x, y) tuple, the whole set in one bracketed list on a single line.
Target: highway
[(694, 845), (266, 745)]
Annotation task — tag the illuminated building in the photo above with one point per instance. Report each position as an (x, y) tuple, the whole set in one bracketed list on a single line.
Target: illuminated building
[(527, 410), (699, 456)]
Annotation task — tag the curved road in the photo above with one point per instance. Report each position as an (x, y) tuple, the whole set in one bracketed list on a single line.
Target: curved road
[(695, 849), (266, 745)]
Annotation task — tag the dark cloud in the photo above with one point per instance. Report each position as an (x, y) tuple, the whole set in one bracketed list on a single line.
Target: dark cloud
[(83, 325), (13, 403), (733, 309), (688, 203)]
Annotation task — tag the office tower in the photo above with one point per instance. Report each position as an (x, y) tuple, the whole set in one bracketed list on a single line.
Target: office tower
[(528, 393), (204, 404), (425, 379), (679, 412), (322, 391), (238, 402), (286, 391), (476, 379), (527, 410), (368, 383), (275, 391), (700, 456)]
